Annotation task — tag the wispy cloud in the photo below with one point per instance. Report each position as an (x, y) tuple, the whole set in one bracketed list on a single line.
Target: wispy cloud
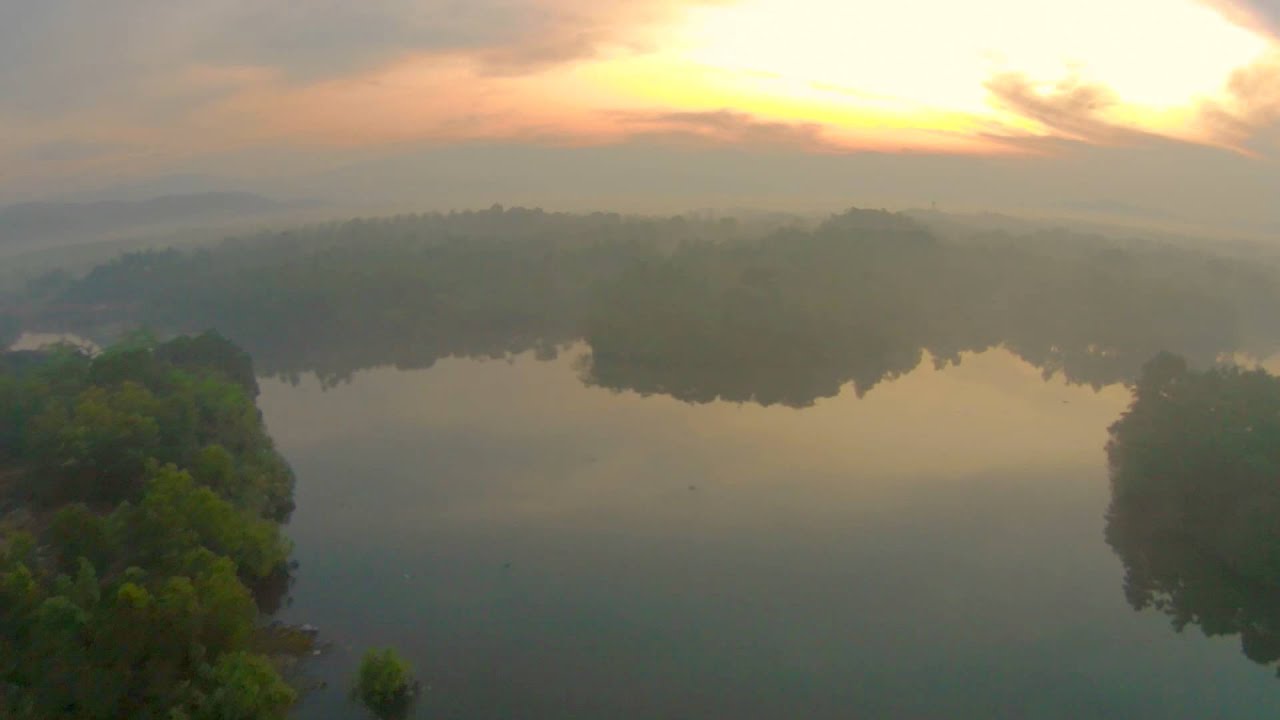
[(1070, 109), (725, 127), (70, 54), (1261, 15), (1251, 110)]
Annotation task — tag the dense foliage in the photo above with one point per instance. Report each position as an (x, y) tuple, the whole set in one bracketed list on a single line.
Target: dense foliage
[(384, 683), (699, 309), (405, 290), (1195, 509), (148, 497), (797, 315)]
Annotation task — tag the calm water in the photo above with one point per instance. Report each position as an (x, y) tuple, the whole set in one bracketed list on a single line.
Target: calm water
[(543, 549)]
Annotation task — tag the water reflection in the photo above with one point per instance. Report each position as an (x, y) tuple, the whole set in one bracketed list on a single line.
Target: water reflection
[(534, 547), (568, 475), (1195, 508)]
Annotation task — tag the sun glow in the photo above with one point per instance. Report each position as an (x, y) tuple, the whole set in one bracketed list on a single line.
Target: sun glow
[(984, 76), (875, 73)]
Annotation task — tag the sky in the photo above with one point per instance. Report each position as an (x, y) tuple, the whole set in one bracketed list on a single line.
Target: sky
[(1167, 107)]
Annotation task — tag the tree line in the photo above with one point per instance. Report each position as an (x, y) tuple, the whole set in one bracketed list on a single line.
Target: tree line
[(701, 309)]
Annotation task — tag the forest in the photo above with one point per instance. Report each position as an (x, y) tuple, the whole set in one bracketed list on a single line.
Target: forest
[(142, 500), (698, 308)]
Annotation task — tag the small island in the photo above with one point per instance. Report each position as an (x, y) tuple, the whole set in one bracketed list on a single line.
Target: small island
[(384, 684)]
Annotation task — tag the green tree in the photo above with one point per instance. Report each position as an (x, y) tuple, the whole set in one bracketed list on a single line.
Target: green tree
[(176, 517), (244, 686), (77, 533), (384, 682), (215, 468), (132, 601), (57, 656), (98, 450)]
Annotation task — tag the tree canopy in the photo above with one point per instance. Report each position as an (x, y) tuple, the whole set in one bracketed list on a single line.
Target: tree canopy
[(153, 496), (384, 683)]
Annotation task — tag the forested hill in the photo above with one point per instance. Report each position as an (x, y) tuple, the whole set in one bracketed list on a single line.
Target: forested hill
[(696, 308), (141, 499)]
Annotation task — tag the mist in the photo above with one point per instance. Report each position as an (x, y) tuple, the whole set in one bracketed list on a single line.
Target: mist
[(659, 359)]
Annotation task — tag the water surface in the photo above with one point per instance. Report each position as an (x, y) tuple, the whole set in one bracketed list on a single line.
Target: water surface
[(541, 548)]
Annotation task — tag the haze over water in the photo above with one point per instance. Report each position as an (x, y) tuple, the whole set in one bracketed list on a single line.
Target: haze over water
[(539, 548)]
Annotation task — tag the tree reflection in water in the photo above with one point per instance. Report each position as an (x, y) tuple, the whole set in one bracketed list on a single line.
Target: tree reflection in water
[(1195, 508)]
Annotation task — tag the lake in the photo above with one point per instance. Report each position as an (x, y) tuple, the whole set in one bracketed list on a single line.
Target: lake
[(540, 547), (595, 467)]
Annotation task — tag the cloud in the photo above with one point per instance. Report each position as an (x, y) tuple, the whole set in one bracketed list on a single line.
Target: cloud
[(193, 79), (66, 55), (724, 127), (323, 38), (1263, 15), (433, 98), (558, 31), (1070, 109), (93, 86), (1249, 117)]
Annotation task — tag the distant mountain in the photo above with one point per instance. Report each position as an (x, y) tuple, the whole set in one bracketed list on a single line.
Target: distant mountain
[(140, 189), (43, 222)]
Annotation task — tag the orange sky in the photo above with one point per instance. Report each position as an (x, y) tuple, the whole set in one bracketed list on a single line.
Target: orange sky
[(86, 90), (930, 74), (839, 75)]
